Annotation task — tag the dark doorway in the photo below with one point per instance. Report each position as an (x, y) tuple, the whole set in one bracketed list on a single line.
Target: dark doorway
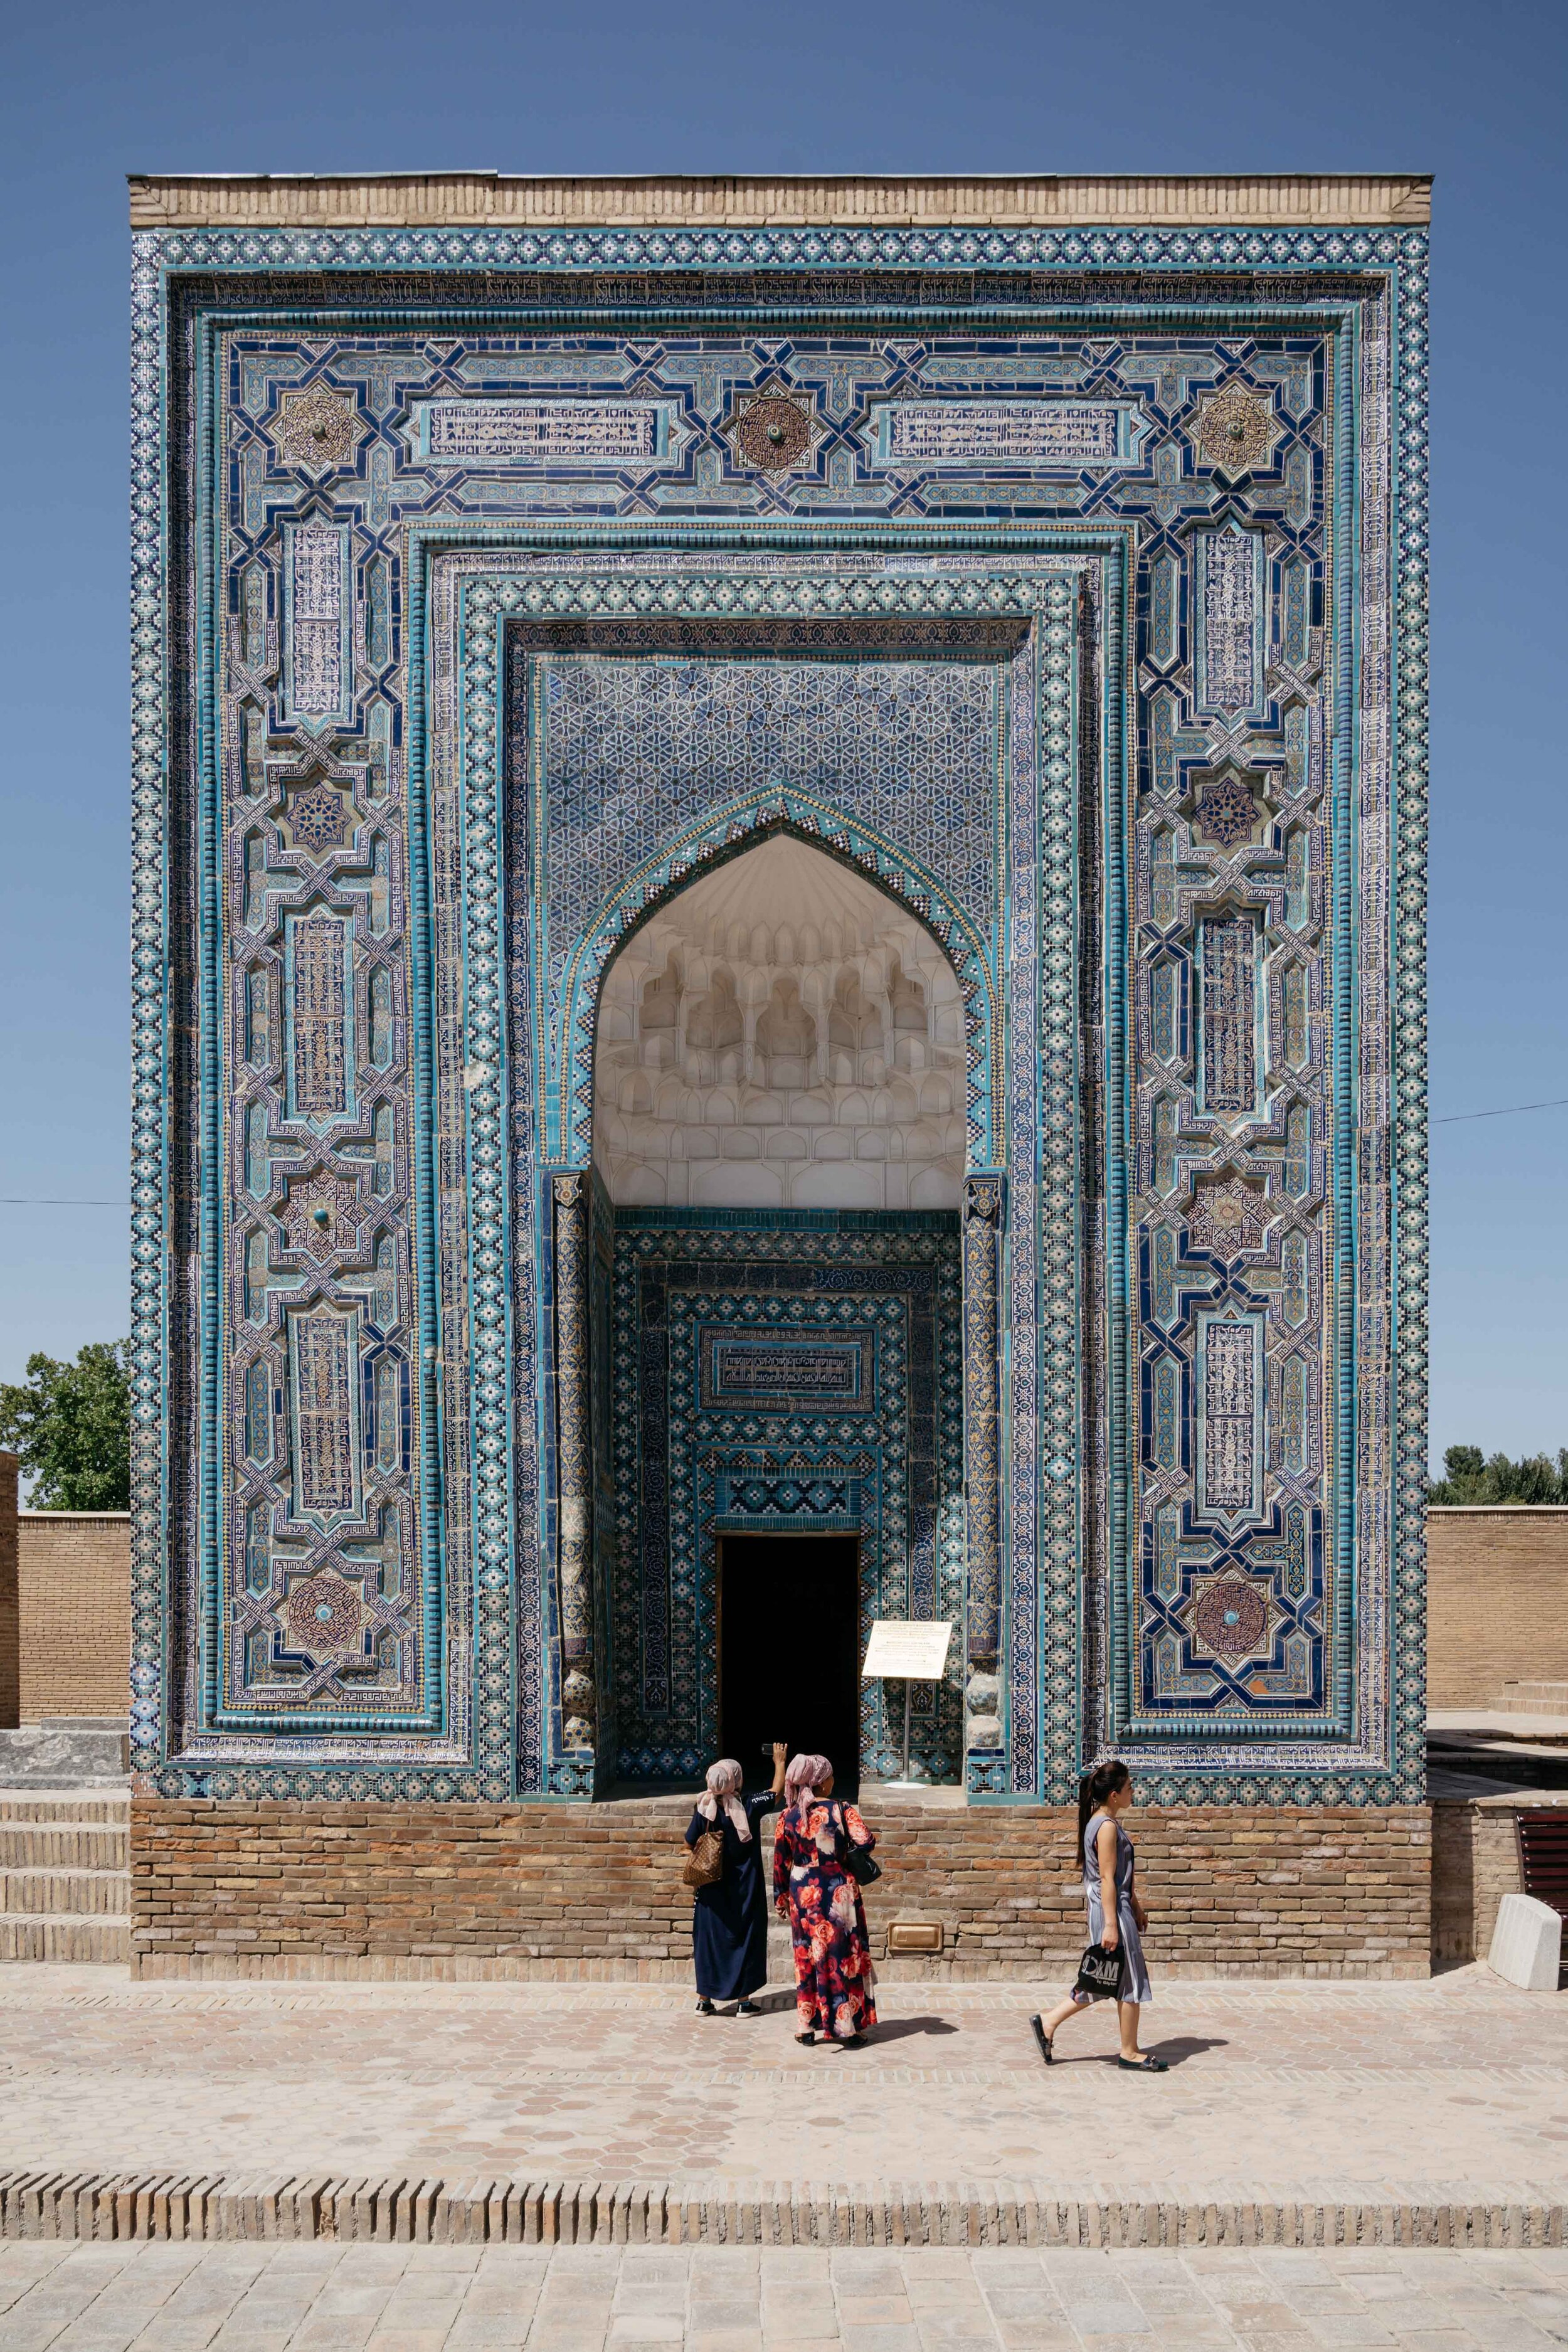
[(789, 1651)]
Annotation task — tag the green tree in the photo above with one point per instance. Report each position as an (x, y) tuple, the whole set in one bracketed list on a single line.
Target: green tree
[(70, 1426), (1470, 1477)]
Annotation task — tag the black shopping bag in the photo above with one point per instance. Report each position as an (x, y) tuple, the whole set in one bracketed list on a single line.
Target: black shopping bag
[(1100, 1972)]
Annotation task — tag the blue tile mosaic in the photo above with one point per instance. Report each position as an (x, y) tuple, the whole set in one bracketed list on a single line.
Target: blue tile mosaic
[(1081, 609)]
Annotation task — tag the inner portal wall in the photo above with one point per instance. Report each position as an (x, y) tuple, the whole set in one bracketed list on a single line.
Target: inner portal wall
[(804, 1376)]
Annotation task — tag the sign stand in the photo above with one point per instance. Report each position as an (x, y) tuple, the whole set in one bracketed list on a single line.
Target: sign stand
[(910, 1650)]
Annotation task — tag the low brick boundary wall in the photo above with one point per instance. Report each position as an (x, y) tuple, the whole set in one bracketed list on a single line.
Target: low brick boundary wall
[(1497, 1599), (234, 1888), (1475, 1863), (397, 2211), (10, 1620), (73, 1588)]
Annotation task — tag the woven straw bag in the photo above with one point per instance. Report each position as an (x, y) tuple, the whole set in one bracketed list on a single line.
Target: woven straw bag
[(705, 1860)]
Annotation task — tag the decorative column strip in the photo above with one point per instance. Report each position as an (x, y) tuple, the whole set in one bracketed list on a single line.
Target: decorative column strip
[(982, 1202), (573, 1469)]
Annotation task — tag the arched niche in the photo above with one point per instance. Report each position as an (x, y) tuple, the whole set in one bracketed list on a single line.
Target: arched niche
[(781, 1035)]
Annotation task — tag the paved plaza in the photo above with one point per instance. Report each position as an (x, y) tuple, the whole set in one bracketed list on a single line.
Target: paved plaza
[(327, 2298), (1451, 2093)]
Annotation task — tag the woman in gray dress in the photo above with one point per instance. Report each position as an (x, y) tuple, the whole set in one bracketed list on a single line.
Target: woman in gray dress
[(1115, 1915)]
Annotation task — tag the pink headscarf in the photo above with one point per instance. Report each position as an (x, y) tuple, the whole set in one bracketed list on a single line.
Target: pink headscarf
[(724, 1780), (803, 1775)]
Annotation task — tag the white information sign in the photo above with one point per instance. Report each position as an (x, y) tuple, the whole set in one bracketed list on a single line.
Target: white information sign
[(908, 1649)]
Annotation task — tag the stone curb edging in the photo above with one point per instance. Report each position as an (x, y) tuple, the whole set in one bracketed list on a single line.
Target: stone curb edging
[(477, 2211)]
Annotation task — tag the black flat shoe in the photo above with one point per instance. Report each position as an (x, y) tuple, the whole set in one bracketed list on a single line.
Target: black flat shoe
[(806, 2038), (706, 2009), (1142, 2065), (747, 2009), (1042, 2040)]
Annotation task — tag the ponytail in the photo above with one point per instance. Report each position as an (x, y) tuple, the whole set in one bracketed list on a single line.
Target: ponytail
[(1102, 1782)]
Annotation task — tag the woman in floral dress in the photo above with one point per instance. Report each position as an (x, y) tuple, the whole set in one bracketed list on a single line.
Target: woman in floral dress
[(834, 1979)]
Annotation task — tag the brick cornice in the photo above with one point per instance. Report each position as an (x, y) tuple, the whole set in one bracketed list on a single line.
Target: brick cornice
[(1498, 1510), (851, 200)]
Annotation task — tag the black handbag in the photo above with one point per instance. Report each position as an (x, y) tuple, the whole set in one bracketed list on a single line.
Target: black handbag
[(859, 1859), (1100, 1972)]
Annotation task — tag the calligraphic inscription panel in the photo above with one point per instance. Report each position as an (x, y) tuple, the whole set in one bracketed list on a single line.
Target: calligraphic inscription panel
[(318, 1006), (524, 433), (322, 1379), (316, 620), (835, 1375), (1056, 434), (1232, 616)]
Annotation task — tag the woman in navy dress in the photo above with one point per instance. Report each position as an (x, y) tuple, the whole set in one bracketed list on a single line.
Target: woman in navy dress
[(730, 1919)]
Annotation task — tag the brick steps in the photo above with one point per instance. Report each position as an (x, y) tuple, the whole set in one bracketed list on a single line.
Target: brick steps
[(106, 1807), (1533, 1698), (96, 1894), (49, 1936), (62, 1845), (65, 1875), (397, 2209)]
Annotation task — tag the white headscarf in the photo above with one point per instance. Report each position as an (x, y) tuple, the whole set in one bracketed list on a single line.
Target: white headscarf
[(724, 1780), (803, 1775)]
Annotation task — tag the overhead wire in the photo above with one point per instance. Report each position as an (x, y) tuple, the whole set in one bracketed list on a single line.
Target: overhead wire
[(1449, 1119)]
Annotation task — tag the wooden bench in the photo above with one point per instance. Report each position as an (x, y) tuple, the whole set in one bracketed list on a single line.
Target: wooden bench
[(1543, 1863)]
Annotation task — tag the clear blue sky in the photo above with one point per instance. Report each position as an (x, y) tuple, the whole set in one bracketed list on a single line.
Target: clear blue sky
[(1477, 95)]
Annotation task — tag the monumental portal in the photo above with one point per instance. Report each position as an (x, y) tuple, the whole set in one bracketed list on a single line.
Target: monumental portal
[(778, 963)]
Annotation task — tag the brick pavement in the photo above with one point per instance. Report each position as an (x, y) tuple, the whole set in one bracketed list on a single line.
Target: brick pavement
[(327, 2298), (1284, 2101)]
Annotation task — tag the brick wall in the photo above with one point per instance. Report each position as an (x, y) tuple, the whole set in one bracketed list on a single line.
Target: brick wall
[(226, 1888), (10, 1652), (74, 1592), (1475, 1863), (1497, 1601)]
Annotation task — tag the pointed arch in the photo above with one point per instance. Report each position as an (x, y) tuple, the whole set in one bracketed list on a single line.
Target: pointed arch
[(719, 836)]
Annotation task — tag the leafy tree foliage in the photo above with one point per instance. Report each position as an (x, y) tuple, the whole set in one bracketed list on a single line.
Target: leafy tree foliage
[(1469, 1477), (70, 1426)]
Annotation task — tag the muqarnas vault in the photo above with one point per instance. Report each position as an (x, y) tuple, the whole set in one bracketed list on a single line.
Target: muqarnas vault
[(779, 891)]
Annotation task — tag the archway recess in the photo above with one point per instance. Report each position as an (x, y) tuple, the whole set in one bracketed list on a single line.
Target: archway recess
[(781, 1035)]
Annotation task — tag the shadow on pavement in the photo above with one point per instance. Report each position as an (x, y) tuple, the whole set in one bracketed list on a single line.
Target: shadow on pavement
[(896, 2029), (1179, 2047)]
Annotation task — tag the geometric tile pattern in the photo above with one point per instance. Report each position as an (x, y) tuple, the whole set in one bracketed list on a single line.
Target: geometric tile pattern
[(622, 747), (910, 747), (1202, 894), (1031, 675), (860, 1315)]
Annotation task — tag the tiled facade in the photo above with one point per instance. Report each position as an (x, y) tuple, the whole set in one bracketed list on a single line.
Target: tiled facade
[(493, 581)]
